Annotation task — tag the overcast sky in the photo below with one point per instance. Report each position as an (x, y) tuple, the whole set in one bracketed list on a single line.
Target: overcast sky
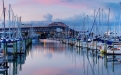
[(39, 9), (69, 11)]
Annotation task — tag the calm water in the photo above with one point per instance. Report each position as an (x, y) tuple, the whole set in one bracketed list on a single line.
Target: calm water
[(53, 58)]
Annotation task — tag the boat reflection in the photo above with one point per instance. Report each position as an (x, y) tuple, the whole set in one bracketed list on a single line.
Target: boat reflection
[(15, 65), (50, 57)]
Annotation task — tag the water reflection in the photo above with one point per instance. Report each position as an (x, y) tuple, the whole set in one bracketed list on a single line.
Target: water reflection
[(50, 57)]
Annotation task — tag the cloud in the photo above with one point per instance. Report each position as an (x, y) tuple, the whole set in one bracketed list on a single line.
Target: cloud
[(48, 17), (67, 3), (115, 9), (75, 21), (47, 1), (66, 8), (31, 2)]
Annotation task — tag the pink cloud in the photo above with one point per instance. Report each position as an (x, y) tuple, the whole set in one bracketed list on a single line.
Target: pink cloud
[(49, 6), (74, 4), (68, 3), (47, 2), (44, 2)]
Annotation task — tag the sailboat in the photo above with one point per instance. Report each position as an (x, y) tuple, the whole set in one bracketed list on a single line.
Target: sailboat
[(112, 43), (82, 37), (78, 41), (72, 38), (93, 34)]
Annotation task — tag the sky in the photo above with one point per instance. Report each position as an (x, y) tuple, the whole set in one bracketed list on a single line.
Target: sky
[(68, 11)]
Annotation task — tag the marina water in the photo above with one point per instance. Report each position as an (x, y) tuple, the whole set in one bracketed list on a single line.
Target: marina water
[(49, 57)]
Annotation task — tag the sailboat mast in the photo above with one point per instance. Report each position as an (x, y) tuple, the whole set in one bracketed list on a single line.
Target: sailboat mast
[(87, 25), (99, 22), (94, 23), (120, 18), (17, 30), (108, 19), (9, 22), (13, 23), (20, 27), (4, 17), (102, 24)]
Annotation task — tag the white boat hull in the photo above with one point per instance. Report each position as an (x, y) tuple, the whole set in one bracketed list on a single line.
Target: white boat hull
[(78, 43), (114, 52)]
